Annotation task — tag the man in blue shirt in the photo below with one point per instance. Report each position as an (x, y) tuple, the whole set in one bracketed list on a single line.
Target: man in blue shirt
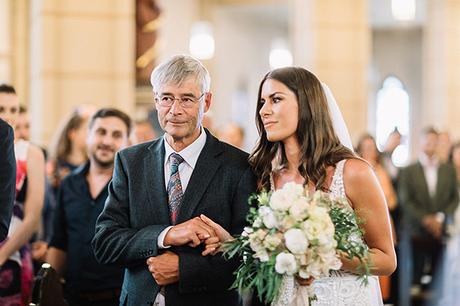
[(81, 199)]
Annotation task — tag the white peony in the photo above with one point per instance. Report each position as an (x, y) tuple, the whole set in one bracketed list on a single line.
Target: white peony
[(299, 208), (296, 242), (283, 198), (268, 217), (285, 263)]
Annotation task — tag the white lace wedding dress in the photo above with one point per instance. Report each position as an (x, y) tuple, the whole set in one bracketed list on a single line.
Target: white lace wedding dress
[(340, 288)]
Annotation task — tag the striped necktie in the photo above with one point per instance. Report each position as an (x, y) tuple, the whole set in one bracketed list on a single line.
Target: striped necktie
[(175, 194)]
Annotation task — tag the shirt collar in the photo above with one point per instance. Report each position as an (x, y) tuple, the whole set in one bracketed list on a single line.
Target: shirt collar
[(426, 161), (190, 153)]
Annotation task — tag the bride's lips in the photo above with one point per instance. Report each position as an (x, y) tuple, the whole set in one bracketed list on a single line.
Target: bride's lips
[(268, 124)]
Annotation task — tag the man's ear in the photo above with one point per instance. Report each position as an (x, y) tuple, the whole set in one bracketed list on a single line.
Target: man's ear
[(207, 101)]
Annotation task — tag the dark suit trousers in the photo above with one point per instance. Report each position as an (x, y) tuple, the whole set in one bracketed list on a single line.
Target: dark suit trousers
[(426, 254)]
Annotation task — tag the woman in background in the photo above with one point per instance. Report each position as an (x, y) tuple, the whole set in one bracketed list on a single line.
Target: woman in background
[(67, 152), (367, 149), (16, 271)]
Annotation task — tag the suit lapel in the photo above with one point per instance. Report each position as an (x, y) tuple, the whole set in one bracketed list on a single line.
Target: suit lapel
[(204, 171), (154, 180)]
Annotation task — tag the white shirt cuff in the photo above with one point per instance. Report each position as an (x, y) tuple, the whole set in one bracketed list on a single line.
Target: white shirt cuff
[(161, 238)]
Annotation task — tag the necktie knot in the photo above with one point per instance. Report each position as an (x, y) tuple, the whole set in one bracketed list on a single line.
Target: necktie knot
[(175, 160)]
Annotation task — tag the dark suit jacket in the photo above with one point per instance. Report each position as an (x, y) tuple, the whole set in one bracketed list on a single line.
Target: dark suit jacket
[(136, 212), (7, 177), (416, 201)]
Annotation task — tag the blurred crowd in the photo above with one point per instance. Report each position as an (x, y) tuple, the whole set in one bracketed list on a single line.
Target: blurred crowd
[(61, 190)]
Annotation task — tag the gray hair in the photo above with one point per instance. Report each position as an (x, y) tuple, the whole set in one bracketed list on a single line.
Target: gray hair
[(179, 68)]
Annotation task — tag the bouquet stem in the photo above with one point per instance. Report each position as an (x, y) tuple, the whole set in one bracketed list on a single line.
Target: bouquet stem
[(292, 294)]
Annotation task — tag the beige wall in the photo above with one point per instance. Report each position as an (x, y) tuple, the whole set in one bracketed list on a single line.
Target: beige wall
[(61, 53), (82, 52), (5, 41), (332, 38), (441, 73)]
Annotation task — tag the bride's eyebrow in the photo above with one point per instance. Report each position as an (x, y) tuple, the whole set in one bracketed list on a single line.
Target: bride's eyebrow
[(276, 93)]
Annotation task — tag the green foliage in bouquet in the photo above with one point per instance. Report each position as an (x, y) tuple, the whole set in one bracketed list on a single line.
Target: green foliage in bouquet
[(269, 222)]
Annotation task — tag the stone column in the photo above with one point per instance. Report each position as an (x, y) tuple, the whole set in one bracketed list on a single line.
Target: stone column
[(332, 39), (5, 41), (82, 52), (441, 73)]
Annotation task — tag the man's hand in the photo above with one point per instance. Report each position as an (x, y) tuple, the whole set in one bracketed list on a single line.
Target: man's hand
[(164, 268), (191, 232), (433, 225)]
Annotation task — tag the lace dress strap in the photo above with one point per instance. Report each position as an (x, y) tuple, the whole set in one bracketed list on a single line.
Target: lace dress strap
[(337, 188), (272, 182)]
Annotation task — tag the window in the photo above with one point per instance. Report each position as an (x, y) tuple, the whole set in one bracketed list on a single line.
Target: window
[(393, 112)]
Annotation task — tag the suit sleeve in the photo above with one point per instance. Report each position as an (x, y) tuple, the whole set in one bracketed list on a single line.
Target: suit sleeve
[(115, 240), (211, 273), (7, 177), (453, 193), (406, 196)]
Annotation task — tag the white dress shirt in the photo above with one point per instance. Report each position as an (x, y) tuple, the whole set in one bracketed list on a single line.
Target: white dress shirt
[(190, 155), (430, 168)]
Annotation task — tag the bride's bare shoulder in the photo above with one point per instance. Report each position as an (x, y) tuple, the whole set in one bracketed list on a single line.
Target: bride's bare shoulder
[(356, 171)]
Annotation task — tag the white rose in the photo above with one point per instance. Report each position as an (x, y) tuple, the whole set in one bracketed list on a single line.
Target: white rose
[(268, 217), (285, 263), (296, 242)]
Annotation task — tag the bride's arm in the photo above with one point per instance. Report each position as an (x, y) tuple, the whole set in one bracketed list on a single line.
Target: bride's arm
[(366, 196)]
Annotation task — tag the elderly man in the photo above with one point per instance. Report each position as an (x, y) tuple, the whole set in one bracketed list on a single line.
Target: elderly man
[(160, 188)]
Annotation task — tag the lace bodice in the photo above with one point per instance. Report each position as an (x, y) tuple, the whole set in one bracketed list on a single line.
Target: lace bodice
[(340, 288)]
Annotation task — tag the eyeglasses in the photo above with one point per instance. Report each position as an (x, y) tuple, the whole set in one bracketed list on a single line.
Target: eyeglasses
[(167, 100)]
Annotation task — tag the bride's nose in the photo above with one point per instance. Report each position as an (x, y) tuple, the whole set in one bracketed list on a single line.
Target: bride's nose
[(265, 110)]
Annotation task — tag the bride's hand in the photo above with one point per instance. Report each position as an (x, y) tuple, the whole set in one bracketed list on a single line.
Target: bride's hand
[(304, 282), (212, 244)]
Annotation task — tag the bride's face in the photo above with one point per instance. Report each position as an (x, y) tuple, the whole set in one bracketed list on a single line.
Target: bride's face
[(279, 111)]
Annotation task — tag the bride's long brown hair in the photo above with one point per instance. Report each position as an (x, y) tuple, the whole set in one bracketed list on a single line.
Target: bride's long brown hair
[(320, 146)]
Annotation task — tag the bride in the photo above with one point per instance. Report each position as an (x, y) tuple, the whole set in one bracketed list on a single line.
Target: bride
[(299, 143)]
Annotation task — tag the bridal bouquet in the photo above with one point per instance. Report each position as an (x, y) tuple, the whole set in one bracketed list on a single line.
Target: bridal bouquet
[(294, 234)]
